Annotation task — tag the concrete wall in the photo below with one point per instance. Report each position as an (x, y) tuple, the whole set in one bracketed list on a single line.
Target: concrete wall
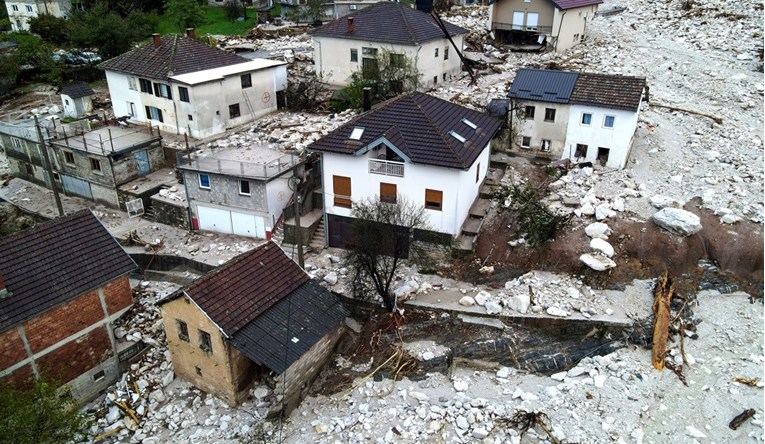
[(537, 128), (70, 342), (20, 19), (224, 191), (570, 26), (459, 187), (70, 105), (332, 58), (617, 139)]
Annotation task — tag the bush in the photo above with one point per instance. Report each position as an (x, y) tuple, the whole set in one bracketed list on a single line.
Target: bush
[(536, 223)]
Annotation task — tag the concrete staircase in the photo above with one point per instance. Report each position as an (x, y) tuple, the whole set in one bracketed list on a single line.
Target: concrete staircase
[(316, 244), (465, 243), (317, 240)]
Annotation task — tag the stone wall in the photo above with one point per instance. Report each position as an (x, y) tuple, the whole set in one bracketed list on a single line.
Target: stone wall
[(173, 214), (224, 191)]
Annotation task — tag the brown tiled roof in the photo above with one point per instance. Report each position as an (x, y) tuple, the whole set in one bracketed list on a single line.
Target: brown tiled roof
[(418, 125), (176, 55), (388, 22), (238, 292), (571, 4), (53, 263), (77, 90), (609, 91)]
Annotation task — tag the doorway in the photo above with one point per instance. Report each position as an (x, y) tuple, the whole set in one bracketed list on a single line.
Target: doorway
[(603, 155)]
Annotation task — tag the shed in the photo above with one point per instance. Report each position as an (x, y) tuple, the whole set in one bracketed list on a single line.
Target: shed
[(76, 98)]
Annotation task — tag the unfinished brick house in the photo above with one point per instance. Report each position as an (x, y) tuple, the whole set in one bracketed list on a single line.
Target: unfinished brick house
[(257, 314), (62, 285)]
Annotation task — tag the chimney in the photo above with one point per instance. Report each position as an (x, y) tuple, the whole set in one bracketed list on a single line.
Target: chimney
[(157, 40), (367, 98), (350, 25), (190, 33)]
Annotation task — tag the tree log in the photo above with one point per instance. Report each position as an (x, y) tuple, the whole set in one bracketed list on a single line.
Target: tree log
[(718, 120), (661, 309)]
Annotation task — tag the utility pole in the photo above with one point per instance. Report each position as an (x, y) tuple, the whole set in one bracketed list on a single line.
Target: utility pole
[(298, 236), (48, 168)]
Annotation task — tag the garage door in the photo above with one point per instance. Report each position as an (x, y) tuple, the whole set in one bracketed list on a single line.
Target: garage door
[(214, 219), (248, 225)]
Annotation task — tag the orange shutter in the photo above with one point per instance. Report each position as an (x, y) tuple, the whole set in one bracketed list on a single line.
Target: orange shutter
[(341, 187), (388, 192), (434, 199)]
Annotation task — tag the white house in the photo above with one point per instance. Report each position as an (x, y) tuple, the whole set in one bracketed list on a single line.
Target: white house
[(75, 97), (186, 87), (432, 152), (21, 11), (356, 42), (584, 117), (554, 24)]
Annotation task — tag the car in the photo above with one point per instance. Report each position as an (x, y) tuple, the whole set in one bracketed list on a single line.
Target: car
[(90, 57)]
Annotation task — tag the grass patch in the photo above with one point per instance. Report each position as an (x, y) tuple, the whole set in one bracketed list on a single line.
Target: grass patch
[(20, 37), (215, 23)]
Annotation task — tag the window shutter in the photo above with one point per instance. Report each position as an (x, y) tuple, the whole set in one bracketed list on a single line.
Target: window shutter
[(148, 113), (388, 192), (159, 115), (433, 199), (341, 187)]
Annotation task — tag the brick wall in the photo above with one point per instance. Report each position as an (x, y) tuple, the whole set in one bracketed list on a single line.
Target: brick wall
[(118, 294), (21, 377), (75, 357), (62, 321), (11, 348)]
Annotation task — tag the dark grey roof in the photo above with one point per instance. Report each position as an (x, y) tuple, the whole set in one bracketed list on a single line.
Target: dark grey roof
[(55, 262), (77, 90), (388, 22), (307, 314), (543, 85), (418, 125)]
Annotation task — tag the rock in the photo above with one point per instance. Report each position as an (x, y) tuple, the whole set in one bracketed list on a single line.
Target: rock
[(482, 297), (602, 246), (730, 219), (321, 428), (600, 380), (604, 211), (353, 324), (503, 372), (493, 307), (460, 385), (157, 395), (488, 269), (557, 311), (467, 301), (480, 433), (677, 221), (587, 209), (660, 202), (597, 262), (130, 424), (598, 230), (519, 303), (573, 293), (331, 278), (559, 376), (422, 397), (427, 356), (114, 414), (462, 423)]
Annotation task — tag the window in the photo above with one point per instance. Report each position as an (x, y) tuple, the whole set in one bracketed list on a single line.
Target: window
[(204, 181), (357, 133), (434, 199), (66, 102), (191, 118), (354, 55), (183, 330), (244, 187), (581, 150), (529, 111), (608, 121), (99, 375), (131, 83), (95, 165), (457, 136), (29, 8), (145, 85), (369, 52), (477, 172), (183, 94), (341, 187), (397, 60), (446, 53), (199, 370), (388, 192), (56, 177), (246, 80), (435, 80), (549, 114), (545, 145), (69, 157), (15, 8), (162, 90), (205, 342), (525, 142), (30, 169), (154, 113), (576, 37), (469, 123), (443, 77), (586, 118), (233, 111), (16, 142)]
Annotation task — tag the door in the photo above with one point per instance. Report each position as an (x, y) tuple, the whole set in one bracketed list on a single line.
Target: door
[(518, 20), (75, 186), (603, 155), (141, 159), (532, 21), (248, 225), (214, 219)]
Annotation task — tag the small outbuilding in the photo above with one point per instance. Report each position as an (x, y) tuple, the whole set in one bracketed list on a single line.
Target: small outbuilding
[(76, 98)]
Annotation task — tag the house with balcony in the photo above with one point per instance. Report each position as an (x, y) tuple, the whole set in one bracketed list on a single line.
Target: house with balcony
[(185, 87), (356, 42), (430, 151), (241, 191), (556, 25), (584, 117), (21, 11)]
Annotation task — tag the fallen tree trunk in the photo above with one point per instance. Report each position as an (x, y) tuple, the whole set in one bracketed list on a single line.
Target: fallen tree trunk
[(661, 309), (738, 420), (718, 120)]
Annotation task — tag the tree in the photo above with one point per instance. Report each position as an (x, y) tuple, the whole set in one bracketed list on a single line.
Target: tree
[(43, 413), (235, 9), (536, 223), (35, 54), (312, 11), (185, 13), (305, 93), (108, 31), (51, 28), (381, 237)]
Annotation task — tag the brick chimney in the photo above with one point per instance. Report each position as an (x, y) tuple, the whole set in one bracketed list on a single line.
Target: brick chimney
[(190, 33), (157, 40), (350, 25)]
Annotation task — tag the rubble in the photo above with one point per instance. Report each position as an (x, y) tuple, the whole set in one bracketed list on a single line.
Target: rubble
[(677, 221)]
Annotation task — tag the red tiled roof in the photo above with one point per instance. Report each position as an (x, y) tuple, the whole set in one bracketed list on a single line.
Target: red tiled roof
[(388, 22), (238, 292), (175, 54), (609, 91), (55, 262), (419, 125)]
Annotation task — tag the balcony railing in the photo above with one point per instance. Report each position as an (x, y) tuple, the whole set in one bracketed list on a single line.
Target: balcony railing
[(516, 27), (386, 167), (261, 170)]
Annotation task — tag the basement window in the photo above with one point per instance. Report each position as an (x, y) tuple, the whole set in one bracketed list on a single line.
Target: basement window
[(205, 342), (233, 111), (457, 136), (469, 123), (99, 376), (357, 133), (525, 142), (29, 169)]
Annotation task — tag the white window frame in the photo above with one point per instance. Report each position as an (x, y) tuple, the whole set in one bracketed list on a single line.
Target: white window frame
[(209, 182), (15, 8), (545, 146), (613, 122), (527, 146), (581, 119), (132, 85), (249, 186), (30, 9)]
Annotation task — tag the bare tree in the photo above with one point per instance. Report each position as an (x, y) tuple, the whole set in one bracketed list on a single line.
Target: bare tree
[(383, 236)]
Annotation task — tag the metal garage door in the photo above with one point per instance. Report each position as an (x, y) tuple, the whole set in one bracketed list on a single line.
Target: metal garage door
[(248, 225), (214, 219), (76, 186)]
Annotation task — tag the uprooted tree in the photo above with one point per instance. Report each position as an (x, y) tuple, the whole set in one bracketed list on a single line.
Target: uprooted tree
[(382, 236), (536, 223)]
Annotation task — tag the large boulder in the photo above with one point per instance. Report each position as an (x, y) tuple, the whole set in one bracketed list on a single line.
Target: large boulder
[(602, 246), (597, 262), (677, 221), (598, 230)]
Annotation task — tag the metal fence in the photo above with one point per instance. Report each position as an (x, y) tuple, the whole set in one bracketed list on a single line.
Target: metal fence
[(238, 168)]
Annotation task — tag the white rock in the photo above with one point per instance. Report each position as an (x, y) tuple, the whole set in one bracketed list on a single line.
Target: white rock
[(677, 221), (602, 246), (321, 428), (487, 269), (660, 202), (597, 262), (519, 302), (168, 378), (114, 414), (460, 385), (331, 278), (598, 230), (503, 372), (467, 301), (157, 395), (557, 311), (559, 376), (493, 307), (604, 211), (600, 380), (482, 297), (730, 219), (462, 423), (260, 392), (573, 292), (422, 397), (480, 433)]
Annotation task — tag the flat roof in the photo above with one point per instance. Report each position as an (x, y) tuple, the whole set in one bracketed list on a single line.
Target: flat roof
[(209, 75), (107, 140), (255, 161)]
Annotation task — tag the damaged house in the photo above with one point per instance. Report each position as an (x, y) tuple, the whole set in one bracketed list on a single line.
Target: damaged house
[(258, 313), (62, 286), (356, 42), (186, 87), (536, 24), (584, 117)]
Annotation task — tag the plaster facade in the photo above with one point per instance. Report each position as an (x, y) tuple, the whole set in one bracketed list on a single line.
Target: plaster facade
[(21, 11)]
